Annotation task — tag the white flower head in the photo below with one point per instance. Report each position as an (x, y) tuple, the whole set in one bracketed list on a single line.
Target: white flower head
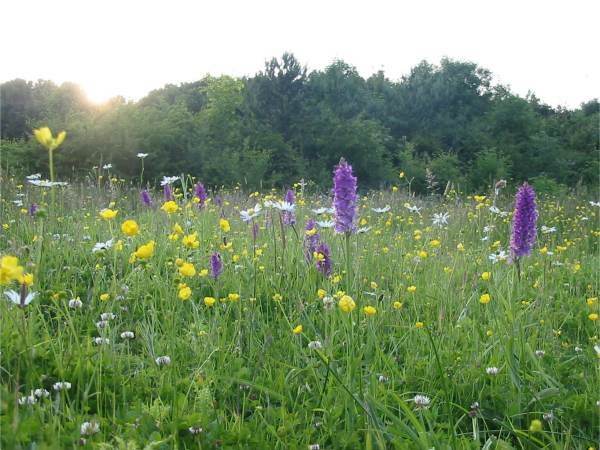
[(107, 166), (492, 371), (28, 399), (168, 180), (315, 345), (385, 209), (17, 298), (251, 213), (89, 428), (47, 183), (101, 341), (320, 211), (35, 176), (413, 208), (127, 335), (326, 223), (107, 316), (421, 401), (440, 219), (75, 303), (41, 393), (101, 246), (142, 155), (61, 386), (163, 360), (547, 230)]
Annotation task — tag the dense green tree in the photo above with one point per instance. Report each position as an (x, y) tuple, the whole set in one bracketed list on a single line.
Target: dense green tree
[(286, 123)]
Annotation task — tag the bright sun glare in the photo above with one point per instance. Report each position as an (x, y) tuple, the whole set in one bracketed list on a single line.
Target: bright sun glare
[(98, 92)]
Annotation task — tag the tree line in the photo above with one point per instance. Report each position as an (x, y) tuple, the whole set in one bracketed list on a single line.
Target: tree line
[(446, 122)]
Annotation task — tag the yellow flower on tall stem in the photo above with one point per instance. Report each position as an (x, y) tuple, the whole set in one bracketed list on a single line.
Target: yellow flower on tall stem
[(51, 143)]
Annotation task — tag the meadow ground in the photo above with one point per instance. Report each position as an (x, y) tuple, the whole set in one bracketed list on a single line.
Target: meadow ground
[(194, 328)]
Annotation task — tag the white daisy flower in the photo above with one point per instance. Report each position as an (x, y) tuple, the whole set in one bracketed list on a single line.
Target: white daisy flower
[(385, 209), (168, 180), (163, 360), (492, 371), (89, 428)]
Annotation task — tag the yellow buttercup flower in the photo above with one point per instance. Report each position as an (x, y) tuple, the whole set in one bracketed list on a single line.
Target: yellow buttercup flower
[(108, 214), (397, 305), (346, 304), (10, 269), (185, 292), (224, 225), (130, 227), (104, 297), (187, 270), (233, 297), (412, 289), (419, 325), (191, 241), (485, 299), (321, 293), (298, 329), (209, 301), (485, 276), (170, 207), (370, 310), (145, 251), (44, 137)]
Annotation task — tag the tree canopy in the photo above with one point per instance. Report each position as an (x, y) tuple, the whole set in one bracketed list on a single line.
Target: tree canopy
[(286, 123)]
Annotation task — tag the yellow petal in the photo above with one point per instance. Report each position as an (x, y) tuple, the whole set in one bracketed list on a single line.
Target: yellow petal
[(60, 138), (44, 136)]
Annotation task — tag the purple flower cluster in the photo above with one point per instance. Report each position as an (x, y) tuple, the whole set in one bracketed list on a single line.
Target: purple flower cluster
[(289, 217), (524, 222), (310, 240), (216, 265), (33, 208), (323, 259), (200, 192), (344, 198), (168, 192), (145, 197)]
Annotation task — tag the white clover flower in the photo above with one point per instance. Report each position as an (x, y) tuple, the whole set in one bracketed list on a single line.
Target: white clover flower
[(195, 430), (163, 360), (383, 379), (75, 303), (315, 345), (492, 371), (89, 428), (101, 341), (421, 401), (27, 399), (328, 302), (540, 353), (127, 335), (102, 324), (61, 386), (18, 203), (548, 417), (314, 447), (107, 166), (107, 316), (547, 230), (41, 393)]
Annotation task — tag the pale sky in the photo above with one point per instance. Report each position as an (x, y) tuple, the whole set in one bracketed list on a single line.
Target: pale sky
[(129, 47)]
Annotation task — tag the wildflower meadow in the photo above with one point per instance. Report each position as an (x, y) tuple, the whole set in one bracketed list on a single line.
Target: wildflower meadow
[(174, 315)]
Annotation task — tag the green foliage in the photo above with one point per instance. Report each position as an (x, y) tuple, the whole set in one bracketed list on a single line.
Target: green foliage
[(286, 123)]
